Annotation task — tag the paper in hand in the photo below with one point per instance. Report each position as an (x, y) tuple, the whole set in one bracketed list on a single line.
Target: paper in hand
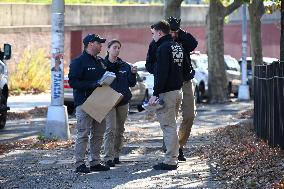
[(107, 78)]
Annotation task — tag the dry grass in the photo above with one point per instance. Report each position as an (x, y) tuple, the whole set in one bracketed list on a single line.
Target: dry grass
[(32, 72)]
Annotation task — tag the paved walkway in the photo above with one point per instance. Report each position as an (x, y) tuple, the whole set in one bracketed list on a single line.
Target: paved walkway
[(54, 168), (27, 102)]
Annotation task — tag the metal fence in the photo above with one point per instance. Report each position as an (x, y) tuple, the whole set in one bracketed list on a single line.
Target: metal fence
[(269, 103)]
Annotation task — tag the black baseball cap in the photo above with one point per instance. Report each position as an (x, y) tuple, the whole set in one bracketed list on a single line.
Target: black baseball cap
[(93, 37), (174, 23)]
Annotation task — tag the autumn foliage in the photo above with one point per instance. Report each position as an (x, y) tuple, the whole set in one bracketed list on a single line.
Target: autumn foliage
[(32, 72)]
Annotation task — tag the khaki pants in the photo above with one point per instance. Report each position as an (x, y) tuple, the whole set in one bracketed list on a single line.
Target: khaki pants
[(113, 138), (188, 109), (167, 119), (86, 126)]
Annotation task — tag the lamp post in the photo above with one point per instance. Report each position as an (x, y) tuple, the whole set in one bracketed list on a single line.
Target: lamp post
[(243, 93), (57, 117)]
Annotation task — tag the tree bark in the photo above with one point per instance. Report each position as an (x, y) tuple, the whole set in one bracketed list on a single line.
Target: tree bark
[(172, 8), (217, 81), (282, 32), (256, 10)]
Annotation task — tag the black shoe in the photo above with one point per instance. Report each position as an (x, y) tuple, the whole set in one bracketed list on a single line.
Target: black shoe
[(116, 161), (82, 169), (164, 149), (181, 155), (110, 163), (163, 166), (99, 167)]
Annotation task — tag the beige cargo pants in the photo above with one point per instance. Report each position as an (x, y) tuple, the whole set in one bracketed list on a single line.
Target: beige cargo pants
[(167, 119), (188, 109), (86, 126), (113, 138)]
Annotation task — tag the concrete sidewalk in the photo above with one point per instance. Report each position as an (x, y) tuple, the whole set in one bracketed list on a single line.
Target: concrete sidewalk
[(143, 139)]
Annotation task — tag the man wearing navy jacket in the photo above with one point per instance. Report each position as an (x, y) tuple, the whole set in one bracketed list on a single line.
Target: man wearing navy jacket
[(84, 74), (170, 70)]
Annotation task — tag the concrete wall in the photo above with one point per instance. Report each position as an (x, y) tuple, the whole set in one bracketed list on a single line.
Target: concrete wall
[(28, 26), (24, 15), (36, 17), (29, 16), (236, 17), (135, 41)]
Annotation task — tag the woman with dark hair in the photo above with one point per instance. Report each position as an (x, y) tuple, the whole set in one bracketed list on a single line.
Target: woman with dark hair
[(125, 78)]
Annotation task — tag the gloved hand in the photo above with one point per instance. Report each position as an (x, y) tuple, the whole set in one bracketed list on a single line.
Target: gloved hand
[(192, 73), (95, 85)]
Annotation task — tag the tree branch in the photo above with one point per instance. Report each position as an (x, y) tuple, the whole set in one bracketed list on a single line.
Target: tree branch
[(233, 6), (261, 7)]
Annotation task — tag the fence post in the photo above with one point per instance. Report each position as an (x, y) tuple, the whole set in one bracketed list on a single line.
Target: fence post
[(269, 103), (279, 103)]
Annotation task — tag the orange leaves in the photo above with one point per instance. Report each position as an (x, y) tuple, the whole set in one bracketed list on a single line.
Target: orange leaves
[(33, 143), (243, 160)]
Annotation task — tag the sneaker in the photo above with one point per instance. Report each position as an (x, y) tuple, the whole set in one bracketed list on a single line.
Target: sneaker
[(99, 167), (110, 163), (116, 161), (82, 169), (181, 155), (163, 166)]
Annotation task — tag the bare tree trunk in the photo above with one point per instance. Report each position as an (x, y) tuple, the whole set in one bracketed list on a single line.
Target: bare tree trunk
[(256, 10), (207, 33), (172, 8), (217, 82), (282, 32)]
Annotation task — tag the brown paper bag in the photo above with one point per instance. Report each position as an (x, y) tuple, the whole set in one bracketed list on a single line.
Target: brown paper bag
[(100, 102)]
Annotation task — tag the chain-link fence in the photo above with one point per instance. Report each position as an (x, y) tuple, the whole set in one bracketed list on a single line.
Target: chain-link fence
[(269, 103)]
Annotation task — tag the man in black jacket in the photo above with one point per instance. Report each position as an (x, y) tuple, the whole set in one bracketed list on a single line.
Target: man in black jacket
[(84, 74), (151, 57), (188, 43), (169, 72)]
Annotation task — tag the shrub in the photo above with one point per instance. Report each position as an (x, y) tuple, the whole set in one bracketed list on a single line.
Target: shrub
[(32, 73)]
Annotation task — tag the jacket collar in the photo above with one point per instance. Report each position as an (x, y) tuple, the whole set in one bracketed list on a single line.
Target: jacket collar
[(90, 56), (163, 39), (118, 61)]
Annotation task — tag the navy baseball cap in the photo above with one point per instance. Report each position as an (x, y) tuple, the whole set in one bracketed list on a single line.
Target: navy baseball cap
[(93, 37)]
